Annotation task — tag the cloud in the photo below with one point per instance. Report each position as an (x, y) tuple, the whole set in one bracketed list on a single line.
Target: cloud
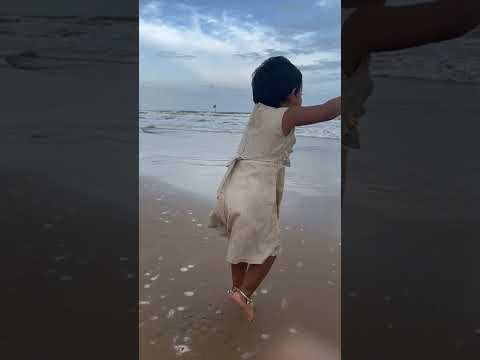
[(151, 9), (325, 3), (249, 55), (174, 55), (321, 65), (222, 49)]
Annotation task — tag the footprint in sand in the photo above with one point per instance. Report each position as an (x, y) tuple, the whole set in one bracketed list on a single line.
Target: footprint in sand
[(181, 349)]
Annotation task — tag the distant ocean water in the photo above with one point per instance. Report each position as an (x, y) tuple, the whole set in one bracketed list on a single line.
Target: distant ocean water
[(221, 122)]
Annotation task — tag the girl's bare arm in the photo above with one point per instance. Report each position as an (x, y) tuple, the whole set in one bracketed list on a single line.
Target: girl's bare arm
[(305, 115), (379, 28)]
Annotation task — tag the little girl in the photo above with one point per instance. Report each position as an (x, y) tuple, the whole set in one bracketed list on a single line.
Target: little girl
[(249, 196)]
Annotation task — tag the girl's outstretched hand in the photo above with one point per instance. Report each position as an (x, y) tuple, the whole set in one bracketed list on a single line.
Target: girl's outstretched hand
[(306, 115)]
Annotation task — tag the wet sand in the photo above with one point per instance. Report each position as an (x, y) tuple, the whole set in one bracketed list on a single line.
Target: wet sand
[(300, 297)]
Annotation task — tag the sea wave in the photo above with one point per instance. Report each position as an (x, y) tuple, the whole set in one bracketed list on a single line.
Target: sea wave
[(159, 122)]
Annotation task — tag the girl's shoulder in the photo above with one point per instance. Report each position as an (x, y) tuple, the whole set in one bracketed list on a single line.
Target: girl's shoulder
[(267, 118), (268, 110)]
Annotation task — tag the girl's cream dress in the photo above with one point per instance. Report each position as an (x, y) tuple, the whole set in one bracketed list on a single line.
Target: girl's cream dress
[(249, 196)]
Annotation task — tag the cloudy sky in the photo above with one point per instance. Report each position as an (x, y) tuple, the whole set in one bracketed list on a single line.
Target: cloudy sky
[(194, 54)]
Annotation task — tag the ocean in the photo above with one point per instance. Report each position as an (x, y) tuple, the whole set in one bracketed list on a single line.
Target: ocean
[(189, 150), (153, 122)]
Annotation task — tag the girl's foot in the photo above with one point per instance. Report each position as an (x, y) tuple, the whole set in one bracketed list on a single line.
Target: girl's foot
[(245, 303)]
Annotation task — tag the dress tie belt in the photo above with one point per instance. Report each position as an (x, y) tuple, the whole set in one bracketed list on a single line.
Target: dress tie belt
[(232, 163)]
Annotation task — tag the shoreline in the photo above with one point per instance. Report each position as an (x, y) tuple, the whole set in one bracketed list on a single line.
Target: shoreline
[(171, 239)]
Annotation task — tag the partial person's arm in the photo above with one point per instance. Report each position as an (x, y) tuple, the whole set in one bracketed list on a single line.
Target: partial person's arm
[(306, 115), (379, 28)]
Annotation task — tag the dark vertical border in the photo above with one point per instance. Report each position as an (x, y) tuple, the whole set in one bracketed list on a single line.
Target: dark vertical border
[(69, 179), (411, 206)]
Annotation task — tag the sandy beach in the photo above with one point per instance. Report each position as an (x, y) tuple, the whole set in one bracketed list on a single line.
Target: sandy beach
[(183, 273)]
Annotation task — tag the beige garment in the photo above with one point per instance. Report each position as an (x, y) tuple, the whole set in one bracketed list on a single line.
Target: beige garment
[(249, 196)]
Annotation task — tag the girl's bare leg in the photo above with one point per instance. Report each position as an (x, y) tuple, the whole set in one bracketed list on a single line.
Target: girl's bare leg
[(238, 273), (254, 276)]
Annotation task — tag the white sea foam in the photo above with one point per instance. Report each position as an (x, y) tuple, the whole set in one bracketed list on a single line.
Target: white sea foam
[(170, 121)]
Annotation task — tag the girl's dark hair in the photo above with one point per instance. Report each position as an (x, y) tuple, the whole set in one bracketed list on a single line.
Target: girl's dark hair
[(274, 80)]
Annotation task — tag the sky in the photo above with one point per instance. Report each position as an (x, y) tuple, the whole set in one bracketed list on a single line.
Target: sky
[(194, 54)]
